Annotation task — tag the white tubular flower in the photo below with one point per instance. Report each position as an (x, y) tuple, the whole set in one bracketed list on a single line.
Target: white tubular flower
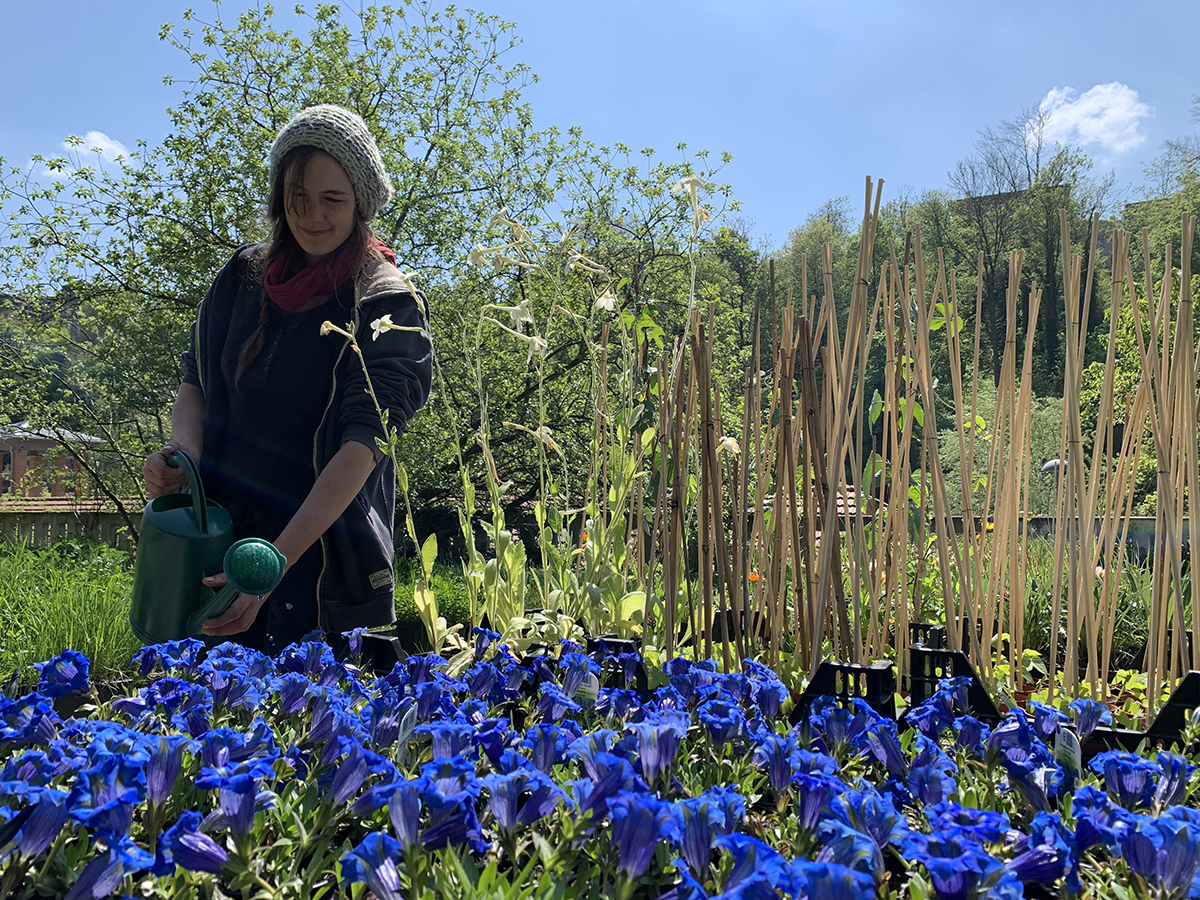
[(691, 184), (380, 325), (729, 445), (607, 301), (476, 258), (328, 328), (576, 260), (566, 235), (500, 260), (521, 313), (536, 345)]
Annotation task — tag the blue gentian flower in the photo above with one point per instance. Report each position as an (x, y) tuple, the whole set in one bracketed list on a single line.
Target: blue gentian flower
[(768, 695), (1046, 719), (871, 813), (1098, 820), (294, 690), (774, 753), (883, 743), (1128, 778), (629, 663), (354, 770), (658, 741), (257, 664), (104, 795), (615, 775), (105, 872), (752, 859), (971, 734), (390, 718), (638, 821), (220, 746), (576, 668), (45, 822), (505, 793), (830, 881), (164, 766), (984, 825), (959, 869), (621, 703), (1047, 853), (492, 737), (553, 703), (930, 784), (455, 823), (484, 638), (404, 810), (723, 719), (849, 847), (1030, 779), (691, 829), (547, 745), (372, 863), (1165, 852), (179, 657), (237, 801), (29, 719), (449, 738), (481, 678), (184, 845), (1174, 773), (308, 657), (65, 674), (1089, 713)]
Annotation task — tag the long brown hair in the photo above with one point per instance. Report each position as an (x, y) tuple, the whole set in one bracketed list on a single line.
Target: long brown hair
[(289, 179)]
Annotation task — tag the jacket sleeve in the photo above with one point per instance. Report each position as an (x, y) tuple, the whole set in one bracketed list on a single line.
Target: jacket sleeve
[(400, 366)]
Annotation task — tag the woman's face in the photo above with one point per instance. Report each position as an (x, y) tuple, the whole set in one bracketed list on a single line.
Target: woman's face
[(321, 209)]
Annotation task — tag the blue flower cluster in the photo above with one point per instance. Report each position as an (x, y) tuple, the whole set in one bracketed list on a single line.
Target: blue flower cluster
[(698, 789), (1138, 817)]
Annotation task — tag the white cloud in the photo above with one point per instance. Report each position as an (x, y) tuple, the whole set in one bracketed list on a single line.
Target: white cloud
[(101, 143), (95, 148), (1107, 115)]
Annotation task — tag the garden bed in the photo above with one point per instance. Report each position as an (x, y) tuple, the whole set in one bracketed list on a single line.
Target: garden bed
[(231, 774)]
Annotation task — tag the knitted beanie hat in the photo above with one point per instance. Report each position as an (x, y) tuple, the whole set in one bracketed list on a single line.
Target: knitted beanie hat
[(344, 136)]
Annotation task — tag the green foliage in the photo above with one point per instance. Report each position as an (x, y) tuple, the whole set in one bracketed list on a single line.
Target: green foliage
[(74, 595), (1045, 424)]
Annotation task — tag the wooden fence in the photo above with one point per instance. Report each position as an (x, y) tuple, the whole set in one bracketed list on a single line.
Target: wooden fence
[(42, 522)]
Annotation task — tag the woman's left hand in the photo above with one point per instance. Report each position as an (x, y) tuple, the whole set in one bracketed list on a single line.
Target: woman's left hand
[(241, 613)]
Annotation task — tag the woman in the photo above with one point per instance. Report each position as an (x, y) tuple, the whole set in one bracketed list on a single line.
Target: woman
[(278, 415)]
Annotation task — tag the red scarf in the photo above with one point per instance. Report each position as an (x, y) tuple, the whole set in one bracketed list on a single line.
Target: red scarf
[(291, 284)]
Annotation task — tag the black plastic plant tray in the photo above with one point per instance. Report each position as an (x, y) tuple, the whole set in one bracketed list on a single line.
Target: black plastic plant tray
[(874, 683), (929, 665)]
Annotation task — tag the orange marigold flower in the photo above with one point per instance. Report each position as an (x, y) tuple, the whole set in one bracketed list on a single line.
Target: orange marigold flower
[(583, 537), (754, 576)]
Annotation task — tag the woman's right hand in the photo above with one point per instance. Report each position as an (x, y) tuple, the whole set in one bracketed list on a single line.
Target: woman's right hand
[(161, 478)]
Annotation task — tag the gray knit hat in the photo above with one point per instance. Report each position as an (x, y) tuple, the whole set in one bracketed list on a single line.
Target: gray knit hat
[(344, 136)]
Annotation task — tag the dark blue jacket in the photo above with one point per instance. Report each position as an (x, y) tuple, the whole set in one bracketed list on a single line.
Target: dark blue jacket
[(355, 585)]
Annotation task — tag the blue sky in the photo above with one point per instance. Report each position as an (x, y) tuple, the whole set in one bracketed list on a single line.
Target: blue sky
[(808, 97)]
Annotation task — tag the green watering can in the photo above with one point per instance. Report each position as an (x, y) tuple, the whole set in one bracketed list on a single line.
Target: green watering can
[(184, 539)]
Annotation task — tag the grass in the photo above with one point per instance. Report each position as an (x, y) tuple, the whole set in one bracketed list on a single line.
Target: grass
[(73, 595)]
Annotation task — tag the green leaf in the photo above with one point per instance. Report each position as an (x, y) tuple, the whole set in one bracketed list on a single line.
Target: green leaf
[(429, 551)]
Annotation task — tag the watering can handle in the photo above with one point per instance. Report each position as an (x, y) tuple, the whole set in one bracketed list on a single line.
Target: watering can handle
[(181, 459)]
